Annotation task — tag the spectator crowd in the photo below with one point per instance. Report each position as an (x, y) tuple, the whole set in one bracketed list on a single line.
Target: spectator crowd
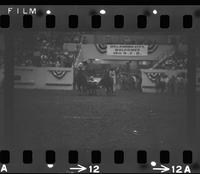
[(45, 49), (174, 62)]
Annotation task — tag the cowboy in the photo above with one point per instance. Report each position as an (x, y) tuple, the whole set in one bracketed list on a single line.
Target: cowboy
[(171, 84), (112, 74)]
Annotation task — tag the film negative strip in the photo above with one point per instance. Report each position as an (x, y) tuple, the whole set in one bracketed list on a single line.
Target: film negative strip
[(99, 89)]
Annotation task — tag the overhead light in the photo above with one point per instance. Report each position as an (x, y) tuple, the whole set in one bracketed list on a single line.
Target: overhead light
[(155, 11), (48, 12), (102, 11)]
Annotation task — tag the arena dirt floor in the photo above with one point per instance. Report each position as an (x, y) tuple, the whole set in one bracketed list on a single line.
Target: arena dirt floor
[(129, 120)]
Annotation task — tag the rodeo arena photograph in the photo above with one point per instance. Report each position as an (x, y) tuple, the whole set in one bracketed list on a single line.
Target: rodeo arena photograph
[(99, 90)]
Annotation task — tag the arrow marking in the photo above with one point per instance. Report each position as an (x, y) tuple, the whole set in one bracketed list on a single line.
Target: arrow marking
[(163, 169), (79, 169)]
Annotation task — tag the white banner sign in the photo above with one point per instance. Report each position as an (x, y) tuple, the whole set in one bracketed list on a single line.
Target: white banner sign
[(127, 50)]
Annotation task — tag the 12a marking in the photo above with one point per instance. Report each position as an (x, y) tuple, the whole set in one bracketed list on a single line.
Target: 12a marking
[(173, 168), (180, 169)]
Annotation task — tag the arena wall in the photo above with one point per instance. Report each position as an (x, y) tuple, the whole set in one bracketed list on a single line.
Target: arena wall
[(44, 78), (148, 86)]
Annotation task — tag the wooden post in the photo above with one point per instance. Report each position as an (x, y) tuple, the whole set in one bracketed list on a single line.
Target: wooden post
[(8, 89), (191, 91)]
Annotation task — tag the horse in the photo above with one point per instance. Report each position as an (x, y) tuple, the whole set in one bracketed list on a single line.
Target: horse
[(107, 83), (130, 82), (92, 88), (160, 86), (180, 85), (81, 82)]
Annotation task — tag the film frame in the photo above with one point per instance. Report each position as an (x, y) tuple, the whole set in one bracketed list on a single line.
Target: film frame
[(118, 155)]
